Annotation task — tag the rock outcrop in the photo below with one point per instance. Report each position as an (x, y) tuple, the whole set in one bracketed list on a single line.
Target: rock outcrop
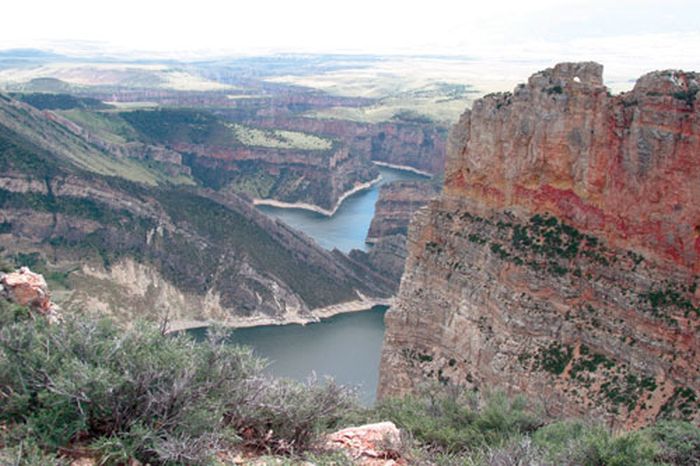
[(369, 445), (26, 288), (562, 259), (419, 145), (397, 203)]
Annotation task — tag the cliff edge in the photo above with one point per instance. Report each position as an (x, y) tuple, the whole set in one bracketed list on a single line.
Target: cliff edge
[(562, 259)]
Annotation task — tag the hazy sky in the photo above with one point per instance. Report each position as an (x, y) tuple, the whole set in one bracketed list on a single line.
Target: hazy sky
[(666, 31)]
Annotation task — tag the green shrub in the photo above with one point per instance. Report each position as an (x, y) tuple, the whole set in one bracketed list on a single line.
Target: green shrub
[(578, 443), (448, 419), (287, 416), (135, 393), (678, 441)]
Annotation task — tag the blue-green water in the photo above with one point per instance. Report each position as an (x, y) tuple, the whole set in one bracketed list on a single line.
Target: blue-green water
[(346, 347), (347, 229)]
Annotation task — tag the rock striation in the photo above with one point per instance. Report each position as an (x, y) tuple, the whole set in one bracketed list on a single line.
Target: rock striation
[(562, 259), (416, 145), (397, 203)]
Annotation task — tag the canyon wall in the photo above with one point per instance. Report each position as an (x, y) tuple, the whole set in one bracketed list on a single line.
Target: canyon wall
[(396, 204), (418, 145), (561, 261)]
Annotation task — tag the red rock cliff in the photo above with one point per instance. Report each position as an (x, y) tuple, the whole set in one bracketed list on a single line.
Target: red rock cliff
[(625, 167), (562, 259)]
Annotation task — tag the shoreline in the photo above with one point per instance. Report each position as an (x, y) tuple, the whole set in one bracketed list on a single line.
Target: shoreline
[(313, 207), (405, 168), (316, 315)]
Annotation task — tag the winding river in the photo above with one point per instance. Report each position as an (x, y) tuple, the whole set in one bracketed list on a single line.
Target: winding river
[(348, 228), (346, 346)]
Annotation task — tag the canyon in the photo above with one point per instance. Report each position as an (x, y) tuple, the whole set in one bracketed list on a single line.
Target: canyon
[(123, 239), (561, 260)]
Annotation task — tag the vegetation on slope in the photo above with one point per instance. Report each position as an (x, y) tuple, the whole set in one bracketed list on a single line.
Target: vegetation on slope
[(90, 388), (23, 128), (170, 126), (446, 425), (47, 101)]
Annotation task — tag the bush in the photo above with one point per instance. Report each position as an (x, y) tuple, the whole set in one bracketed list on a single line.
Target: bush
[(448, 419), (286, 416), (135, 393), (578, 443), (679, 442)]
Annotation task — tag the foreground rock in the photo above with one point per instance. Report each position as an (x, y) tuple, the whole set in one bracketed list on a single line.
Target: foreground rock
[(369, 445), (27, 288), (562, 259)]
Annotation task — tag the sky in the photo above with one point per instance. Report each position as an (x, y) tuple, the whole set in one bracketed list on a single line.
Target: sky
[(664, 33)]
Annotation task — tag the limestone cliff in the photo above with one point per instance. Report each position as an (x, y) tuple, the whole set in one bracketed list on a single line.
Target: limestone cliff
[(562, 259)]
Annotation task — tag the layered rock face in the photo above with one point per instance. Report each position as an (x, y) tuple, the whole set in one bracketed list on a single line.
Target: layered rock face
[(562, 259), (396, 205), (418, 145)]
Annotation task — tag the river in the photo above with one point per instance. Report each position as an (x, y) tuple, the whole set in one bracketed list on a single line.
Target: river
[(348, 228), (346, 347)]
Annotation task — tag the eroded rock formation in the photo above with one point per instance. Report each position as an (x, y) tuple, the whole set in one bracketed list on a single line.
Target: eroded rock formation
[(395, 206), (562, 259)]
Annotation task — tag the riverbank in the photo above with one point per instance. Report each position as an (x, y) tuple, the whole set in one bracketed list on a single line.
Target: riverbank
[(313, 207), (315, 315), (405, 168)]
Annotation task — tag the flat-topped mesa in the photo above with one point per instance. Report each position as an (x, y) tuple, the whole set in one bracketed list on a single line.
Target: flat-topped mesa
[(625, 167), (562, 260)]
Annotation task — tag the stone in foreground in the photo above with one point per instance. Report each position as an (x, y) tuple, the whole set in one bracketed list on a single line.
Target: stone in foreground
[(369, 445), (26, 288)]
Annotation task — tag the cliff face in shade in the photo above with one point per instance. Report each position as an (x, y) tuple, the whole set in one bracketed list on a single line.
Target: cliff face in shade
[(397, 203), (562, 259)]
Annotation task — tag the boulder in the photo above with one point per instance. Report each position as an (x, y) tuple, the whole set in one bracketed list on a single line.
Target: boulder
[(370, 445), (26, 288)]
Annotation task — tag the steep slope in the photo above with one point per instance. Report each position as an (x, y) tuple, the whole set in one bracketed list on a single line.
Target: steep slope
[(150, 248), (562, 259)]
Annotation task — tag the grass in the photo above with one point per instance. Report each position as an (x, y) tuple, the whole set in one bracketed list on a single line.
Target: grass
[(279, 139), (106, 125)]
